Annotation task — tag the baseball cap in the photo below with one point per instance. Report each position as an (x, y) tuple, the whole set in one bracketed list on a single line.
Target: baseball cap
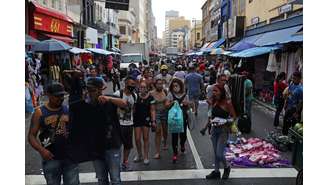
[(95, 82), (179, 66), (164, 67), (55, 89), (211, 66)]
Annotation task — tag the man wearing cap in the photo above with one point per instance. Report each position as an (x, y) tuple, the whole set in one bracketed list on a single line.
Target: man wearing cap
[(180, 73), (51, 121), (164, 76), (195, 86), (95, 134)]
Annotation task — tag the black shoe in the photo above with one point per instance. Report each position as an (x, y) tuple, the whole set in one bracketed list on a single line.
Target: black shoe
[(203, 131), (226, 173), (214, 175)]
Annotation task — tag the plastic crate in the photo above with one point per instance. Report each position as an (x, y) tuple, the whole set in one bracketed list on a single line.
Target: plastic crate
[(297, 159)]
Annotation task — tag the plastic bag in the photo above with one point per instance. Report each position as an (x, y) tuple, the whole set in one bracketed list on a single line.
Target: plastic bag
[(175, 119)]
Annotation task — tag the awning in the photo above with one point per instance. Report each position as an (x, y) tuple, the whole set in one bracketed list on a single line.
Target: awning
[(205, 45), (298, 37), (213, 45), (40, 9), (76, 50), (100, 51), (256, 51), (62, 38), (219, 51), (277, 37)]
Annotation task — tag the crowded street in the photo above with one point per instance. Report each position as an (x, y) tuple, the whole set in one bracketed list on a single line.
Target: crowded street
[(146, 92)]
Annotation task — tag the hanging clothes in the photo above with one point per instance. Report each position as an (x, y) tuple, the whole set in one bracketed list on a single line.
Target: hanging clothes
[(272, 62)]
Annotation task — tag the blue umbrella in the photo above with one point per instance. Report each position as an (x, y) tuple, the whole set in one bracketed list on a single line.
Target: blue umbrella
[(30, 40), (51, 45)]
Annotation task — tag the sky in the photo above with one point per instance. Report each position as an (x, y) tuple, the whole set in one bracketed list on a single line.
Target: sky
[(187, 8)]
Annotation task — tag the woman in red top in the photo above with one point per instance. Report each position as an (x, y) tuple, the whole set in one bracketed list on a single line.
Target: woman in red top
[(278, 88)]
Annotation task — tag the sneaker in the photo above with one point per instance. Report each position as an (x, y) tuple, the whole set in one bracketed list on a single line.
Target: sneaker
[(174, 159), (146, 162), (137, 159), (203, 131), (125, 166), (214, 175), (226, 173)]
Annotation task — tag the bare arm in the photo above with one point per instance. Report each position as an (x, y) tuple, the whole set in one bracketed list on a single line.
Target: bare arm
[(116, 101), (152, 112), (34, 129)]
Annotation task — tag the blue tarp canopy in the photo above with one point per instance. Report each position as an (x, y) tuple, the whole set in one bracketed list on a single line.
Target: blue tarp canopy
[(213, 45), (298, 37), (277, 37), (254, 51)]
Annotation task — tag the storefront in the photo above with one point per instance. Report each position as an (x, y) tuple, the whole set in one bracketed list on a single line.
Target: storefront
[(45, 24)]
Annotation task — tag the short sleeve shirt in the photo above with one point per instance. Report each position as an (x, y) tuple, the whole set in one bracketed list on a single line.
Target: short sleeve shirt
[(126, 114)]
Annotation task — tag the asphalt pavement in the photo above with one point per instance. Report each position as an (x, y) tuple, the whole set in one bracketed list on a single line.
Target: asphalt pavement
[(190, 168)]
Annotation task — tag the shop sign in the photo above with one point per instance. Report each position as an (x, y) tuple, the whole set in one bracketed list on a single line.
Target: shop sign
[(285, 8), (53, 25)]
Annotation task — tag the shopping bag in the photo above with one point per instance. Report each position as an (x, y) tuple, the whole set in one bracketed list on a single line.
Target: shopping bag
[(175, 119)]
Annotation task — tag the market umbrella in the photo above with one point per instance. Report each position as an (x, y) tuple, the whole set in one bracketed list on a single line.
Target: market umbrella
[(100, 51), (51, 45), (30, 40), (76, 50)]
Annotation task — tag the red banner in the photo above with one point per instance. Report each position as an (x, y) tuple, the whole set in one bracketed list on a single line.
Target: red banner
[(51, 24)]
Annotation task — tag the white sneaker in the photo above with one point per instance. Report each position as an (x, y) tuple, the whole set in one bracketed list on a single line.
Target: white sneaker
[(146, 162), (137, 159)]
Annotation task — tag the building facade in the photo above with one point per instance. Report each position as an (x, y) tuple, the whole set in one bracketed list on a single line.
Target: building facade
[(127, 26), (177, 23), (206, 22), (172, 14), (196, 35), (271, 11)]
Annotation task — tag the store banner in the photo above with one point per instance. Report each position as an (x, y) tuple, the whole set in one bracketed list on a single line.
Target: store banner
[(92, 35), (50, 24)]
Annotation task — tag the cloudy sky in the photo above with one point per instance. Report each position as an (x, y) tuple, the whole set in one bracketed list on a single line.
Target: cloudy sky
[(187, 8)]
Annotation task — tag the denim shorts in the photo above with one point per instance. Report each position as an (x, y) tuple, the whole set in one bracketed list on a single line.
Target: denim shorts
[(161, 117)]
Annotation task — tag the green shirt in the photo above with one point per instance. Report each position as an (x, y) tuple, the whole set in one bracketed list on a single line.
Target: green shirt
[(248, 87)]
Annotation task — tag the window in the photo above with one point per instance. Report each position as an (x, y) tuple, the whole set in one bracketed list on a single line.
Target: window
[(250, 1), (198, 36), (60, 5), (53, 3), (122, 30), (241, 6), (101, 13), (129, 31), (45, 2)]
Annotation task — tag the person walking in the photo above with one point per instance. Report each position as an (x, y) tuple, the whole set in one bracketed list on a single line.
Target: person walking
[(143, 119), (278, 88), (177, 93), (221, 109), (126, 117), (248, 94), (51, 122), (180, 73), (95, 134), (159, 95), (195, 86), (116, 77), (165, 76), (294, 103)]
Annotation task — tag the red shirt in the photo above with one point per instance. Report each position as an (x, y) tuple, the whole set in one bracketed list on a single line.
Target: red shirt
[(202, 67), (278, 86)]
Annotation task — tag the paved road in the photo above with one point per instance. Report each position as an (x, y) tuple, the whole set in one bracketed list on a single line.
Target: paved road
[(202, 150)]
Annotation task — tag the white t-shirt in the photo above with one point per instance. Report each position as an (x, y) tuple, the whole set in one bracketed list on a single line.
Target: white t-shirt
[(126, 114), (167, 79)]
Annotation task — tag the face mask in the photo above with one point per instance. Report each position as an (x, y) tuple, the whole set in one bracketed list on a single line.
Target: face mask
[(131, 88)]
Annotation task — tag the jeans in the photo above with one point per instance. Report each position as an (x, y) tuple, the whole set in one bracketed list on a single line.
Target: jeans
[(248, 107), (110, 164), (54, 169), (219, 137), (279, 106)]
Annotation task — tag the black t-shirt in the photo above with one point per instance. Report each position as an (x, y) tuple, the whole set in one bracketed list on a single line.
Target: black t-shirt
[(93, 130), (141, 112)]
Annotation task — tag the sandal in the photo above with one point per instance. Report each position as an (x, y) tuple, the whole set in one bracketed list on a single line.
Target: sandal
[(157, 156)]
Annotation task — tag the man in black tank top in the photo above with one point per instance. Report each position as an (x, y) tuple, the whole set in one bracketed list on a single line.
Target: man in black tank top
[(52, 121)]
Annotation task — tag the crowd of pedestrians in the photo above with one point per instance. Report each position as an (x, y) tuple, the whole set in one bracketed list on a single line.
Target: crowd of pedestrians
[(100, 127)]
